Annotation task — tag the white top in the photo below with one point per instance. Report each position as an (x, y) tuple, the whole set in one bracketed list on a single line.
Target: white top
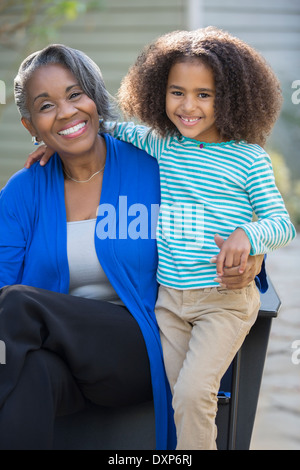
[(87, 278)]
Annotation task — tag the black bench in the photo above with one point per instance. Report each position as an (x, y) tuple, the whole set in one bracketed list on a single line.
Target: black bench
[(133, 427)]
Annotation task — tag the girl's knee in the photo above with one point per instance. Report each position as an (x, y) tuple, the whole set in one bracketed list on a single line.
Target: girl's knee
[(196, 398)]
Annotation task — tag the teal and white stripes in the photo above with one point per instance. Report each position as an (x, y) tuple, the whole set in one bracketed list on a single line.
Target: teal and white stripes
[(207, 191)]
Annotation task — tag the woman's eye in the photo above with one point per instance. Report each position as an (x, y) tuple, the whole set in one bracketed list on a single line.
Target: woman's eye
[(75, 94), (45, 106)]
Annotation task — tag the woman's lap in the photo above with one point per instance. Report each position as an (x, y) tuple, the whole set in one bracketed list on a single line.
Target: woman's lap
[(45, 389), (101, 343)]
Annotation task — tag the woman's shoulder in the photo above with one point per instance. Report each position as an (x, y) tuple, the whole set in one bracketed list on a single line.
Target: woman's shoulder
[(19, 193), (25, 181), (20, 181)]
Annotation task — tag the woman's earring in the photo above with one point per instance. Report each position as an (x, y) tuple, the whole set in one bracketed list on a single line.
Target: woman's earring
[(100, 125), (37, 142)]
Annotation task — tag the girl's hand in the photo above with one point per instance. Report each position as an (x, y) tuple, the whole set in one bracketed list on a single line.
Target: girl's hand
[(42, 154), (232, 278), (234, 252)]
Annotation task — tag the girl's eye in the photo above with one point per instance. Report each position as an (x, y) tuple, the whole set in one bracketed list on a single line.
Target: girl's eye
[(177, 93), (203, 95)]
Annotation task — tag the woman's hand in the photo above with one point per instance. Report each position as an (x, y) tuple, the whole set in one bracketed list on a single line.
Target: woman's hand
[(42, 154), (232, 278)]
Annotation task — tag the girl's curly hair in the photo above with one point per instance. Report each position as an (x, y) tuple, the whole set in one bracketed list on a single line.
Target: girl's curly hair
[(248, 96)]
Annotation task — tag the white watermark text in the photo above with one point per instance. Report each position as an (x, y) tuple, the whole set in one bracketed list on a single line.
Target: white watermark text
[(296, 94), (296, 353), (2, 92), (2, 353), (183, 222)]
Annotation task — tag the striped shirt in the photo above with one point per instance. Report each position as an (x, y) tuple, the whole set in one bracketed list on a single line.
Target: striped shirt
[(208, 189)]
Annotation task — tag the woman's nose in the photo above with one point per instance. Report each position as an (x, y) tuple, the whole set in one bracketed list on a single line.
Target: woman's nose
[(66, 110)]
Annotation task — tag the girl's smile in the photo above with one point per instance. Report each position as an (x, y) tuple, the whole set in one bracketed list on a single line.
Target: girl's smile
[(190, 100), (189, 121)]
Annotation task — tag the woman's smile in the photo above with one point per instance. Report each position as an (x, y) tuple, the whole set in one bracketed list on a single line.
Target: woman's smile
[(73, 130)]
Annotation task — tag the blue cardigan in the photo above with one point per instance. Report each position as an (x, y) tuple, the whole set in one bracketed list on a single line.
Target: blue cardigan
[(33, 246)]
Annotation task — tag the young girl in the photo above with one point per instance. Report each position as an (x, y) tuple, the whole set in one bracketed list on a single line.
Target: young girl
[(210, 101)]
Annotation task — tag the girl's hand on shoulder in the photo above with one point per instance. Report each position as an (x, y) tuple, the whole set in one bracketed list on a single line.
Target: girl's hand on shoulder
[(41, 154), (234, 252)]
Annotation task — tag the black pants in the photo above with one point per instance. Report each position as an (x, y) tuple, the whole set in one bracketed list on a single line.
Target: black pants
[(61, 351)]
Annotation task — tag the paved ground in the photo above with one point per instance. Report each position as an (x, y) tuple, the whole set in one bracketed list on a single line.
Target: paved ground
[(277, 423)]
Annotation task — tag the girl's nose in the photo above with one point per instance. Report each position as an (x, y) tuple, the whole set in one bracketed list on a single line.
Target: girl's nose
[(189, 104)]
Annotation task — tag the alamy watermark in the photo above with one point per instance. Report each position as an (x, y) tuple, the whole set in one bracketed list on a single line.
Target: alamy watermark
[(296, 94), (178, 221), (2, 353), (296, 353), (2, 92)]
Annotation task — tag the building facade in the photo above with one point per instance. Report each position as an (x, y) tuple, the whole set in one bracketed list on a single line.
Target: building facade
[(113, 34)]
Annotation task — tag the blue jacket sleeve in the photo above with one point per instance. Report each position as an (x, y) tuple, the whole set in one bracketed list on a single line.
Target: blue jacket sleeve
[(261, 279), (14, 229)]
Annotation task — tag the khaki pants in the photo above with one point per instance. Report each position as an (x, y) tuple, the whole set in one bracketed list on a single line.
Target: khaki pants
[(201, 332)]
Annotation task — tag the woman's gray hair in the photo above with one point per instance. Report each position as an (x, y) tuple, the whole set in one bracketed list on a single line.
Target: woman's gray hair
[(85, 70)]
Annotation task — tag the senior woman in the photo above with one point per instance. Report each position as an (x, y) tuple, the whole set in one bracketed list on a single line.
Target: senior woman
[(78, 262)]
